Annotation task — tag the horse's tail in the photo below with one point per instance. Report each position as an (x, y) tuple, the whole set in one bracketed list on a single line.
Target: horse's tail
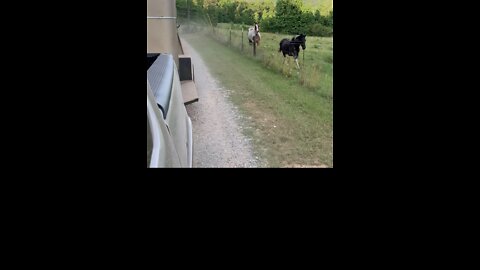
[(280, 49)]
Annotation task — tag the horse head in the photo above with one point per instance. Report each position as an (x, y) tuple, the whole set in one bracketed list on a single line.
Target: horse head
[(302, 39)]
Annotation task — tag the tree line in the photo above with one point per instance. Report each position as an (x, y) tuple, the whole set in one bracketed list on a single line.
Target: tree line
[(280, 16)]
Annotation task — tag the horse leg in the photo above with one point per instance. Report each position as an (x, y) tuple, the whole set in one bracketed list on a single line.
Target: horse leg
[(295, 56)]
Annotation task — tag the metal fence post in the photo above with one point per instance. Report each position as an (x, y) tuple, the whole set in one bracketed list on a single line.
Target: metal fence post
[(242, 38)]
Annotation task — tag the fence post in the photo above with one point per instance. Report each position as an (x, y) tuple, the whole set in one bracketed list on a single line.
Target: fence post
[(254, 48), (242, 38), (230, 40)]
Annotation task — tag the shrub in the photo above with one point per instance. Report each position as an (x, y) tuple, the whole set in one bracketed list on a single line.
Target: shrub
[(320, 30)]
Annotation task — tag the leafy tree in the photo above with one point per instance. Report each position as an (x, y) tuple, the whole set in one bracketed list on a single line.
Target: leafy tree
[(278, 16)]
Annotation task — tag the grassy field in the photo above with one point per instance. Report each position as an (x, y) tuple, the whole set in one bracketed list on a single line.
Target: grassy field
[(316, 61), (291, 124)]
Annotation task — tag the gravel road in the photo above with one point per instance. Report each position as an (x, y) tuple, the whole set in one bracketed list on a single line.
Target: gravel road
[(217, 133)]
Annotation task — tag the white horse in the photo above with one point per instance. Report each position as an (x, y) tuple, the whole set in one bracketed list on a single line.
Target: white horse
[(254, 35)]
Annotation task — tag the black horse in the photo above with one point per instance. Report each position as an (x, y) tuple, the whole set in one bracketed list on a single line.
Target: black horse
[(292, 47)]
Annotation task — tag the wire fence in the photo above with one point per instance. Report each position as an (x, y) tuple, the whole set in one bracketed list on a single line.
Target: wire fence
[(237, 39), (311, 73)]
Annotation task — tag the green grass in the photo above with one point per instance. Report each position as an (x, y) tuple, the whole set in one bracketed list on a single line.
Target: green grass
[(290, 123), (316, 61)]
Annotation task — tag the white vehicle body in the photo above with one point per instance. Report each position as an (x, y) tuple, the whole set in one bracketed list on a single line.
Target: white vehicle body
[(169, 128), (170, 86)]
